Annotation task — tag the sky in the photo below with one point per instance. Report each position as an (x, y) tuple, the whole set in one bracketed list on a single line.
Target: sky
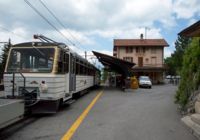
[(88, 25)]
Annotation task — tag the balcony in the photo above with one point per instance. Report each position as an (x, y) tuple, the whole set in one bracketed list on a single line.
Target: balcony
[(149, 67)]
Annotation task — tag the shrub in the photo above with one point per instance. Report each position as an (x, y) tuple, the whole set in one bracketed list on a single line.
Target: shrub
[(190, 73)]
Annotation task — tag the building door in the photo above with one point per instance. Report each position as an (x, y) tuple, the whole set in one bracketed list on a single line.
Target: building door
[(140, 61)]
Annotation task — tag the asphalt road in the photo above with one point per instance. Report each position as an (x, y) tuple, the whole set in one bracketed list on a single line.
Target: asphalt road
[(144, 114)]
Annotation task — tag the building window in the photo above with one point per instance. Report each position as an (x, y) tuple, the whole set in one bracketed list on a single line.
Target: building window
[(147, 60), (137, 50), (140, 50), (153, 50), (129, 49), (143, 49), (153, 60), (129, 59)]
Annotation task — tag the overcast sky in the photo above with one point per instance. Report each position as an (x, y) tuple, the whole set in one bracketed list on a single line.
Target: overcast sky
[(93, 24)]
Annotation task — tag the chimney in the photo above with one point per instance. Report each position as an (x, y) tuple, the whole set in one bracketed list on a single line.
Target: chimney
[(141, 36)]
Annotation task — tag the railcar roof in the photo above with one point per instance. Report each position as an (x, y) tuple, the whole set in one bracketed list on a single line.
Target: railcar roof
[(42, 44), (27, 44)]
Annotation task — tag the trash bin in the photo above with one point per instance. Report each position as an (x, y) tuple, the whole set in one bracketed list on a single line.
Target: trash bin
[(134, 83)]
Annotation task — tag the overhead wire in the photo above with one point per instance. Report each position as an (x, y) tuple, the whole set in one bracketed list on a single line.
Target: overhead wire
[(57, 19), (54, 27), (5, 29)]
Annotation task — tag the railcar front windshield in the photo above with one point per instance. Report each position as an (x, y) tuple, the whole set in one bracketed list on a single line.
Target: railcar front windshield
[(31, 60)]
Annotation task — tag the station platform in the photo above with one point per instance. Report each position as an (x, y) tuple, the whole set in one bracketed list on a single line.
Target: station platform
[(1, 93), (11, 110)]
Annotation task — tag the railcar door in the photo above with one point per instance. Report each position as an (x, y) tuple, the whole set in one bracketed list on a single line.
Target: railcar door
[(72, 74)]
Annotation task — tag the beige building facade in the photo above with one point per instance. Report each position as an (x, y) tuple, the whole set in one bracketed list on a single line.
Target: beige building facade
[(148, 54)]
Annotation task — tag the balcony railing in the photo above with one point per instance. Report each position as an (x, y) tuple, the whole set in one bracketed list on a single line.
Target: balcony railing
[(151, 65)]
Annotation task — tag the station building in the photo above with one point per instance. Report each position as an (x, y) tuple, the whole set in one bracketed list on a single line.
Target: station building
[(147, 54)]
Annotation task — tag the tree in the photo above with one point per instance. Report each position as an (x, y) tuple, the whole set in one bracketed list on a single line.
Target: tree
[(190, 73), (171, 69), (181, 44), (4, 57), (174, 63)]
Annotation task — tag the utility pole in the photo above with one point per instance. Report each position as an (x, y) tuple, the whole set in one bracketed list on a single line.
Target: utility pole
[(9, 42)]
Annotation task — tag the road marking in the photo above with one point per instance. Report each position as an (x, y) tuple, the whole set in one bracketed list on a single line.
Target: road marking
[(78, 122)]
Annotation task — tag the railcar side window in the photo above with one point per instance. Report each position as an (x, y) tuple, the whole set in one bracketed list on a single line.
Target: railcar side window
[(60, 63), (63, 62), (72, 64), (66, 63), (81, 67), (86, 72), (77, 66)]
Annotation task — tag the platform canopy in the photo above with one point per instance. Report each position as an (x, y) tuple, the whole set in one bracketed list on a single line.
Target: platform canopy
[(115, 64)]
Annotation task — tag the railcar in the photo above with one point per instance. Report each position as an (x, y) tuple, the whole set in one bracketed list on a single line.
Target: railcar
[(47, 74)]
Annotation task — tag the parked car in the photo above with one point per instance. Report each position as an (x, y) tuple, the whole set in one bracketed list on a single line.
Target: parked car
[(144, 81), (168, 77)]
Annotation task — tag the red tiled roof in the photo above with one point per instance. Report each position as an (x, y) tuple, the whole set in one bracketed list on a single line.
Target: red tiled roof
[(140, 42)]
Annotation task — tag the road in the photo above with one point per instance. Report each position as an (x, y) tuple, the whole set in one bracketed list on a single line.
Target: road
[(144, 114)]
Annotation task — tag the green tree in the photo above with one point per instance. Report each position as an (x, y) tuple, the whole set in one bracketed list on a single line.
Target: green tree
[(190, 73), (174, 63), (171, 69), (181, 44), (4, 56)]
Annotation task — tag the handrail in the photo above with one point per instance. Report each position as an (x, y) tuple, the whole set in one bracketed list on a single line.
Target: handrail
[(13, 86), (13, 81), (24, 79)]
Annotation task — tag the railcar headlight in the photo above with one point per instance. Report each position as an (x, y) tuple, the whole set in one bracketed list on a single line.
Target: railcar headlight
[(43, 87)]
